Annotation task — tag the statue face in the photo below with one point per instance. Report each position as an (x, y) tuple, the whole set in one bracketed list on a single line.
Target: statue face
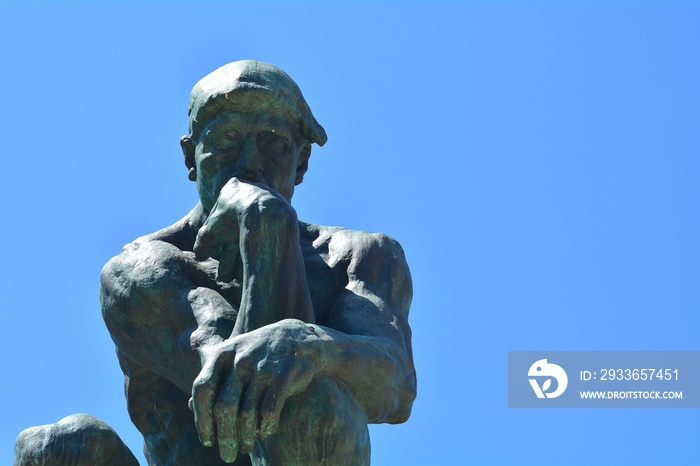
[(255, 147)]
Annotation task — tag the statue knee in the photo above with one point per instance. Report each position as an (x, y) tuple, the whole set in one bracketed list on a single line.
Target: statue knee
[(77, 440)]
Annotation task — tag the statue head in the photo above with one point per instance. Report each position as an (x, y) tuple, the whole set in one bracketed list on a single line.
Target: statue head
[(240, 113)]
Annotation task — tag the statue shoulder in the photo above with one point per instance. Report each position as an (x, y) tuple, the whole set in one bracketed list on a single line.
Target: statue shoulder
[(357, 244), (372, 258), (139, 262), (182, 233), (150, 257)]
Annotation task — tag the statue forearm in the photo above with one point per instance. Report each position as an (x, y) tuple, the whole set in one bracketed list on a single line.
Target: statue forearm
[(378, 371), (247, 380), (274, 282)]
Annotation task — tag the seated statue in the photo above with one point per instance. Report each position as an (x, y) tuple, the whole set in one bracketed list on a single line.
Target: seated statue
[(245, 335)]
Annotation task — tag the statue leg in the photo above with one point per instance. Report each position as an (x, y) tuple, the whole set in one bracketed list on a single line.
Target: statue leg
[(159, 411), (323, 426)]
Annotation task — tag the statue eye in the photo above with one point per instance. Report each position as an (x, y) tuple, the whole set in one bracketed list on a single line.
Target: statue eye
[(233, 136), (270, 143), (226, 139)]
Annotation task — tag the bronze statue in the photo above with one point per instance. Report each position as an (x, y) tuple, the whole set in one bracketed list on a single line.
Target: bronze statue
[(246, 335)]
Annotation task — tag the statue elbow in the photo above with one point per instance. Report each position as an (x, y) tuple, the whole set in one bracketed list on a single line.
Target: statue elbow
[(112, 296), (406, 395), (125, 283)]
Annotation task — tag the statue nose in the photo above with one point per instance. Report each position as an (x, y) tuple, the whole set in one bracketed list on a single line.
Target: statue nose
[(248, 164)]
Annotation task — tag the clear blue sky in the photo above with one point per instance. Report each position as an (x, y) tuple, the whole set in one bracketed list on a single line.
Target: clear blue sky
[(538, 161)]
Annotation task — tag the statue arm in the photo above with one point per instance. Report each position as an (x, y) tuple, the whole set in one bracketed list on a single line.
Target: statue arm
[(367, 342), (156, 313)]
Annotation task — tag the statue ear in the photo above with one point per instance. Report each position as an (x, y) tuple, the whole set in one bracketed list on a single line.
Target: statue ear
[(303, 163), (188, 151)]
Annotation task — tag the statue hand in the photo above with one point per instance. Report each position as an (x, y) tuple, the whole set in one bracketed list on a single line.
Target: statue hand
[(242, 210), (245, 382)]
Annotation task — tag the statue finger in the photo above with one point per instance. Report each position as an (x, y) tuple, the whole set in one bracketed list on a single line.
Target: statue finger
[(203, 395), (227, 261), (205, 245), (270, 411), (226, 415), (249, 415)]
